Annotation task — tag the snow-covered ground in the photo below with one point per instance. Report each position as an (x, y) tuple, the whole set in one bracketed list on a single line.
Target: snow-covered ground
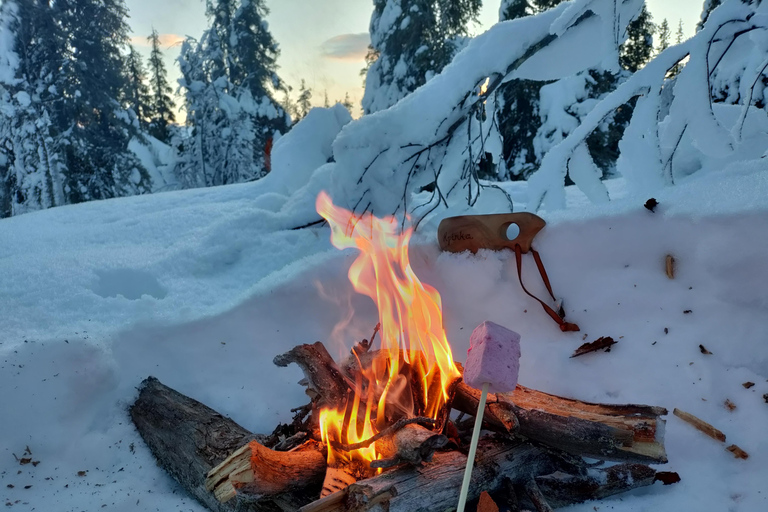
[(202, 288)]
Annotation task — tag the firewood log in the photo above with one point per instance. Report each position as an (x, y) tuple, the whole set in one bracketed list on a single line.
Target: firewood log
[(324, 379), (188, 439), (500, 463), (625, 433), (256, 470)]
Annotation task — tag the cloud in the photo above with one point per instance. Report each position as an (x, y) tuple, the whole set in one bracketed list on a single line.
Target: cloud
[(166, 40), (346, 47)]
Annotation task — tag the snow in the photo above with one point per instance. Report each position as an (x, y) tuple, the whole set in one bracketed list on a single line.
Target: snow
[(187, 285)]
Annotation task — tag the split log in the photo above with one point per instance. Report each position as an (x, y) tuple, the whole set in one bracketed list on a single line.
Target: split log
[(324, 379), (436, 486), (256, 470), (188, 439), (625, 433)]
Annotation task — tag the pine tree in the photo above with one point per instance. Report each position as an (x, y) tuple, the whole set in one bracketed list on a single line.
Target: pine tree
[(664, 35), (304, 102), (162, 104), (136, 95), (411, 41), (99, 164)]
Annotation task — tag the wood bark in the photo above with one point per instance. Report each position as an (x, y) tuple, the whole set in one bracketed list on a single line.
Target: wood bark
[(188, 439)]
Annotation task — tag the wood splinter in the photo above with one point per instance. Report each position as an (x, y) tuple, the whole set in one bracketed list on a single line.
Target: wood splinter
[(700, 425)]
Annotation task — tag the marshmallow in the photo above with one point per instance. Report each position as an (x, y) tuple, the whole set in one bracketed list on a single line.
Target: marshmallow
[(493, 357)]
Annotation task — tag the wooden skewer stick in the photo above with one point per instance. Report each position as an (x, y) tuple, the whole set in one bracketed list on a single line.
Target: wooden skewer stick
[(472, 450)]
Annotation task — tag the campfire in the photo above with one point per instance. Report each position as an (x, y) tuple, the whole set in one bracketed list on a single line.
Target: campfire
[(388, 427)]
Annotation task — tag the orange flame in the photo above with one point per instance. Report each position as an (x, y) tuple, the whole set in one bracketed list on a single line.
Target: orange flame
[(412, 336)]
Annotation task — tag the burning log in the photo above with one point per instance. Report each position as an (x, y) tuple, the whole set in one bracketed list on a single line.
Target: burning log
[(188, 439), (624, 433), (323, 378), (256, 470), (413, 444), (632, 433)]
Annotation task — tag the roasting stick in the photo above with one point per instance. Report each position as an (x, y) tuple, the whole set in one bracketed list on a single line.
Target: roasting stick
[(493, 363), (472, 449)]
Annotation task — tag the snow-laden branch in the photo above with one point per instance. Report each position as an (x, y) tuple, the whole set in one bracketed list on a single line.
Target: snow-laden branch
[(436, 137), (651, 139)]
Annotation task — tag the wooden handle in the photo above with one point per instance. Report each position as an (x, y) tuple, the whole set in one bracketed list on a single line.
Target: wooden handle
[(474, 232)]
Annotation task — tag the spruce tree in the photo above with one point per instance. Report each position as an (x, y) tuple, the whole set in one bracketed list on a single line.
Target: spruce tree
[(136, 95), (664, 35), (518, 109), (638, 48), (229, 76), (31, 168), (347, 103), (99, 164), (411, 41), (162, 104), (304, 102)]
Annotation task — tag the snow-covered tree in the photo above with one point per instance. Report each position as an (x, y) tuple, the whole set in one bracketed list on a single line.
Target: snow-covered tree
[(31, 168), (637, 50), (411, 41), (530, 123), (228, 77), (304, 103), (676, 128), (664, 36), (347, 103), (136, 95), (161, 101), (97, 129), (706, 10)]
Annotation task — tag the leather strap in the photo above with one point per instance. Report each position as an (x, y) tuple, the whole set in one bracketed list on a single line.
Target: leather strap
[(564, 326)]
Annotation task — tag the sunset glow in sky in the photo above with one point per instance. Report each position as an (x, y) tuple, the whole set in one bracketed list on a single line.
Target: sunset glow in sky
[(322, 41)]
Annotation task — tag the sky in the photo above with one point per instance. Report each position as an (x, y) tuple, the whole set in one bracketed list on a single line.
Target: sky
[(322, 41)]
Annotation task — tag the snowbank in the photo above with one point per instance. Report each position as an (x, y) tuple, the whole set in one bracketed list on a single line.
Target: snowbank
[(201, 289)]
